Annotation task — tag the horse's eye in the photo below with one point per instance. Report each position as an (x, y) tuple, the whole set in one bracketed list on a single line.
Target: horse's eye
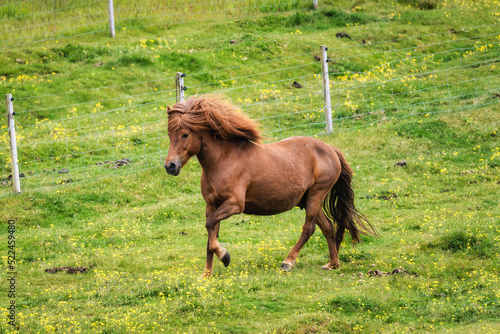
[(185, 135)]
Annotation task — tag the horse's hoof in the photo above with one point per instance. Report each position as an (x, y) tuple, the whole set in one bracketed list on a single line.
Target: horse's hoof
[(203, 277), (286, 267), (226, 259), (206, 275), (330, 266)]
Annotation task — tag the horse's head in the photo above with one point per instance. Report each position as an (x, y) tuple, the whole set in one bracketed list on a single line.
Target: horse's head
[(188, 120), (184, 143)]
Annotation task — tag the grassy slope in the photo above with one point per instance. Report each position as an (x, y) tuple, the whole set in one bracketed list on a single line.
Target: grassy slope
[(439, 217)]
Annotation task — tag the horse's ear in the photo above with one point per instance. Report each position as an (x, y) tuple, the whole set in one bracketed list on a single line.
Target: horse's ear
[(168, 109)]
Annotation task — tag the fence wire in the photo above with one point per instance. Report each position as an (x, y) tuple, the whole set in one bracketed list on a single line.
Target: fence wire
[(33, 22), (102, 136)]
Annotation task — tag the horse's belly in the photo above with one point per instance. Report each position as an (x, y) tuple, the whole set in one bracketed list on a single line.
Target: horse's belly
[(252, 209), (271, 204)]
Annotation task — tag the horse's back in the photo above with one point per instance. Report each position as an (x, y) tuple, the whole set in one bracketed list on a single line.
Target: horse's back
[(283, 171), (305, 147)]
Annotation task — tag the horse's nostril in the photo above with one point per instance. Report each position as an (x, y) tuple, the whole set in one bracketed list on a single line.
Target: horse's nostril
[(170, 167)]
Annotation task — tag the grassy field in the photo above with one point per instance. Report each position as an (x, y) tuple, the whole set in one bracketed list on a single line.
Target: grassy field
[(417, 82)]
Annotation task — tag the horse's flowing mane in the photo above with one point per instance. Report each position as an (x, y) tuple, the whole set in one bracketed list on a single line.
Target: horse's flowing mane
[(210, 112)]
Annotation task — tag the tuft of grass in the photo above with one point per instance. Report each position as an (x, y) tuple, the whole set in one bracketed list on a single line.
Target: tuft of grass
[(355, 304), (79, 53), (132, 60), (458, 240), (421, 4), (185, 61)]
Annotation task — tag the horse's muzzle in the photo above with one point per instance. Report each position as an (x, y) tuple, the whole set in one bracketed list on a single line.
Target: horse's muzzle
[(173, 169)]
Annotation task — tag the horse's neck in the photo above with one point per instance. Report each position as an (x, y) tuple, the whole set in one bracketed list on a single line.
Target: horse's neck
[(214, 151)]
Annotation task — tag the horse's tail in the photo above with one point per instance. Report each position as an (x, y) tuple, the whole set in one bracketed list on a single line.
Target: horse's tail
[(339, 204)]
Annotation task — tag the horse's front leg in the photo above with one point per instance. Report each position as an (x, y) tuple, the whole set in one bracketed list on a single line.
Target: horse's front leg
[(230, 207)]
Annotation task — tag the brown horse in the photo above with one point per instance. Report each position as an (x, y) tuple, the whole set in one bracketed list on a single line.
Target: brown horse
[(242, 175)]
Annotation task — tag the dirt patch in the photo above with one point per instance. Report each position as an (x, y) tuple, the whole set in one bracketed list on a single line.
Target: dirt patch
[(117, 163), (242, 222), (401, 164), (397, 271), (68, 270), (342, 35), (9, 178), (385, 195)]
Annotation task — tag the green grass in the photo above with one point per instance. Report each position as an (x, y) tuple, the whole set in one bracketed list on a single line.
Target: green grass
[(142, 232)]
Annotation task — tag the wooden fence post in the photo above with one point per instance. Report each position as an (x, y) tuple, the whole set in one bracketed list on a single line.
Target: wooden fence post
[(179, 86), (111, 19), (13, 145), (326, 89)]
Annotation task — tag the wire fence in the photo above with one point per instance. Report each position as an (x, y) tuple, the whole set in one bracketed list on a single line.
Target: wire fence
[(121, 129), (32, 22)]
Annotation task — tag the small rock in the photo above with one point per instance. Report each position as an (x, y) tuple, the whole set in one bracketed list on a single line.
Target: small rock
[(99, 64), (63, 171), (296, 85), (233, 41), (20, 61), (318, 58), (342, 35), (183, 233), (401, 163), (22, 175)]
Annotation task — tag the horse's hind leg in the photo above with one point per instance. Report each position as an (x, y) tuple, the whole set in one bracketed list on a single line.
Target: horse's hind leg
[(327, 228), (313, 206), (307, 231)]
